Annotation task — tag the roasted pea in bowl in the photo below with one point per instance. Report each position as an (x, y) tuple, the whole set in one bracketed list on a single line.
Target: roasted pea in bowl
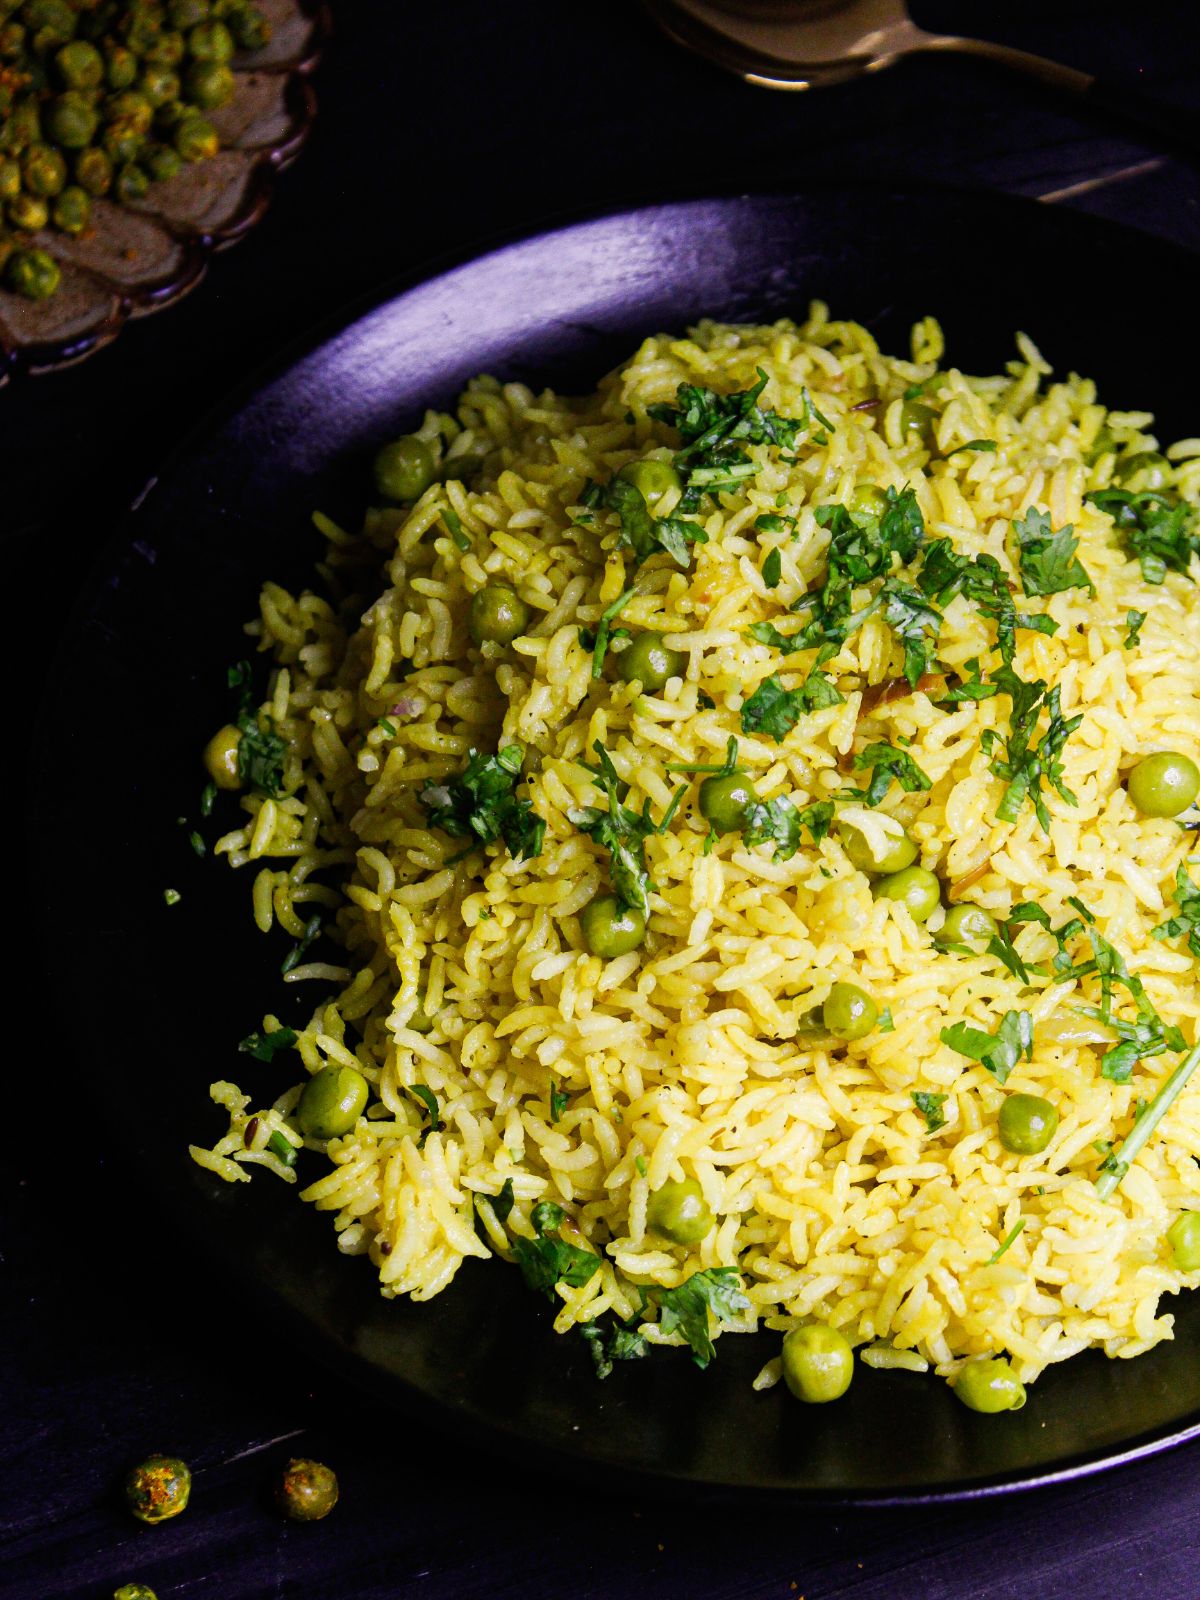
[(933, 1020)]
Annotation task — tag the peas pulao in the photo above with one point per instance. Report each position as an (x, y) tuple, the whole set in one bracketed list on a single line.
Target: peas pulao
[(745, 817)]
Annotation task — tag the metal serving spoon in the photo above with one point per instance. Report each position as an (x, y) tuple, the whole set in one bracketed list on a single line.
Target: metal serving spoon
[(806, 44)]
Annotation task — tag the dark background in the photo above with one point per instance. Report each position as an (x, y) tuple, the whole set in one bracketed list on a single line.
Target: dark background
[(440, 128)]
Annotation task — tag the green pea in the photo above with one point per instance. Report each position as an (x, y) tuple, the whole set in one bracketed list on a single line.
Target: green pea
[(161, 161), (652, 478), (725, 799), (33, 274), (208, 84), (679, 1211), (849, 1012), (120, 67), (159, 85), (221, 757), (250, 29), (332, 1102), (168, 50), (1164, 784), (210, 41), (71, 120), (498, 614), (611, 928), (196, 139), (916, 421), (818, 1363), (893, 855), (914, 887), (186, 14), (72, 210), (646, 660), (404, 469), (868, 500), (158, 1488), (988, 1383), (121, 142), (134, 1591), (1145, 469), (80, 65), (306, 1491), (43, 170), (1027, 1124), (28, 212), (53, 23), (130, 108), (93, 171), (966, 927), (1184, 1238), (132, 183)]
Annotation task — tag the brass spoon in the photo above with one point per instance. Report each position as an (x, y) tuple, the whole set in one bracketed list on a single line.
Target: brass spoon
[(807, 44)]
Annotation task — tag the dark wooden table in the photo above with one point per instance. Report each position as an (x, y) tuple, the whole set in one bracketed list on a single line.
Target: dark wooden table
[(440, 127)]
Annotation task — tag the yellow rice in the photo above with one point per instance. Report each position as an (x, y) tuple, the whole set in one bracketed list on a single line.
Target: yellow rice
[(681, 1059)]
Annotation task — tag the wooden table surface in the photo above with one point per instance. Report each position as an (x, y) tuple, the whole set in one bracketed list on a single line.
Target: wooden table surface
[(439, 127)]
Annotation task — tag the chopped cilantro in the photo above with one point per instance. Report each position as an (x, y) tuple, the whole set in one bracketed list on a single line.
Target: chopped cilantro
[(914, 622), (640, 1163), (972, 687), (1025, 765), (886, 1023), (1117, 1162), (207, 796), (607, 617), (546, 1260), (716, 427), (774, 822), (311, 929), (988, 446), (1187, 902), (260, 750), (686, 1309), (767, 633), (644, 534), (772, 568), (772, 710), (197, 843), (817, 818), (454, 525), (281, 1146), (172, 897), (1160, 535), (559, 1099), (930, 1107), (388, 727), (481, 802), (623, 833), (1047, 559), (885, 762), (620, 1344), (266, 1046), (998, 1052), (1008, 1239), (430, 1101), (1133, 621)]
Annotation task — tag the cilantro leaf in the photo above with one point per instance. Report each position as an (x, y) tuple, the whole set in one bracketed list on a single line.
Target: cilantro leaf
[(715, 428), (773, 710), (260, 750), (481, 803), (774, 822), (686, 1309), (559, 1100), (1047, 559), (772, 568), (604, 631), (266, 1046), (914, 622), (1008, 1239), (817, 818), (293, 958), (930, 1107), (622, 832), (885, 762), (1133, 621), (1160, 535), (986, 445), (620, 1344), (1187, 920), (546, 1260), (644, 534), (972, 687), (1024, 765), (767, 633), (998, 1052)]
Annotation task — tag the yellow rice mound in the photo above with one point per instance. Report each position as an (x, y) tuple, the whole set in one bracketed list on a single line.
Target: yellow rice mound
[(686, 1058)]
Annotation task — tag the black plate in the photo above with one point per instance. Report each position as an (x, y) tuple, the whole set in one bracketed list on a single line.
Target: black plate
[(179, 986)]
